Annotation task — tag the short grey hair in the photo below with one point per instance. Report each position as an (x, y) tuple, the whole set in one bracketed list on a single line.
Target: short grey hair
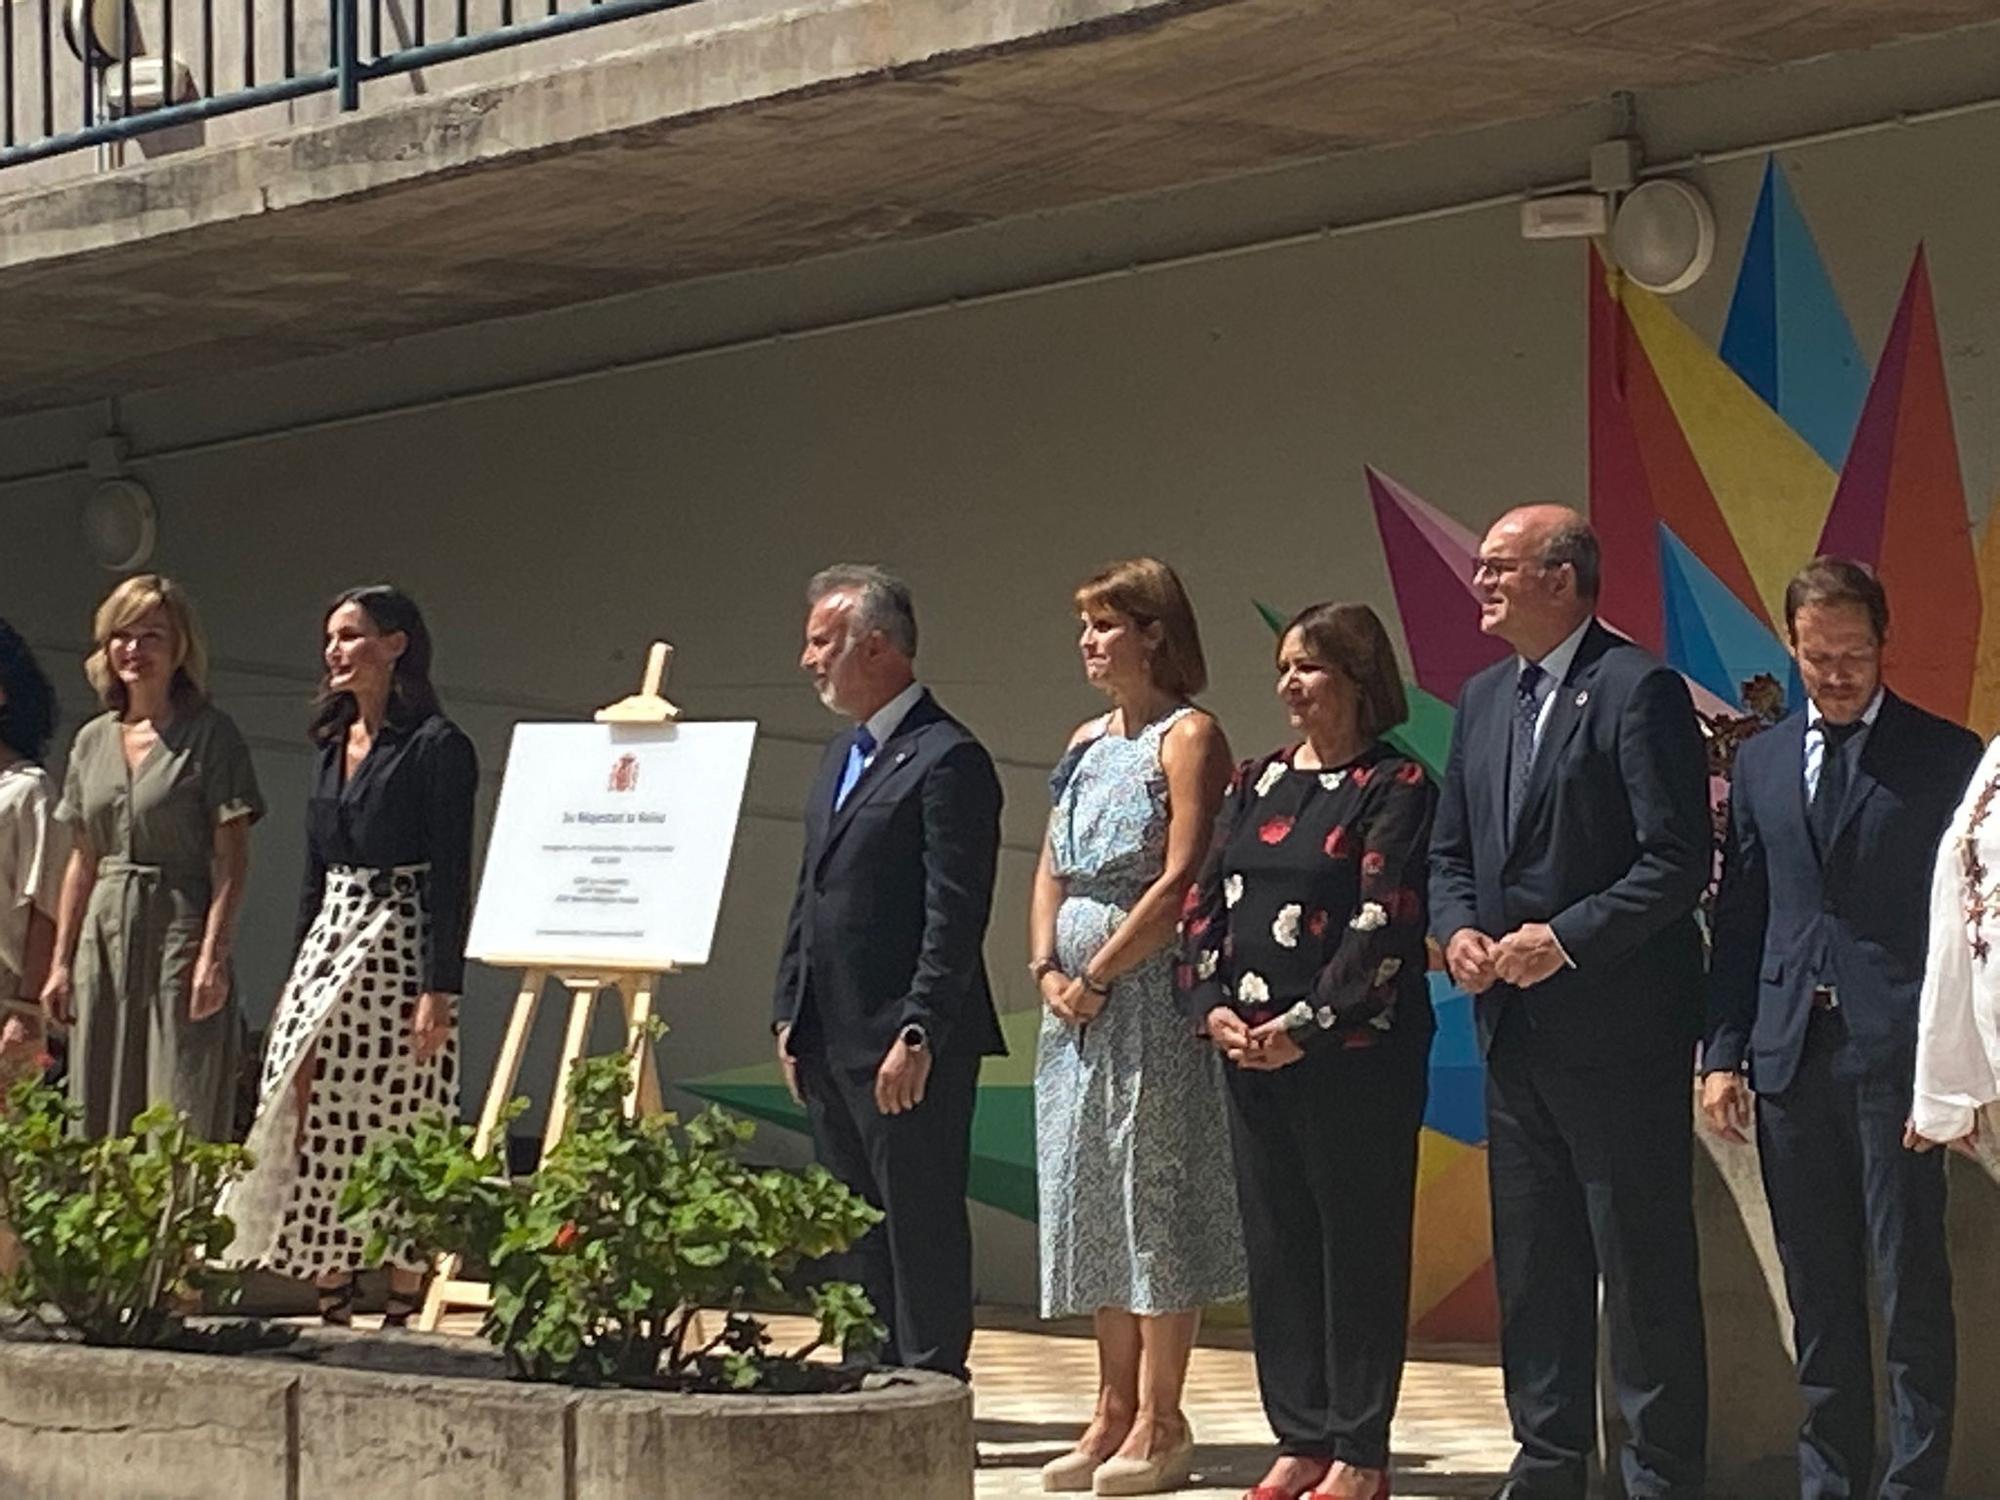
[(1575, 543), (881, 601)]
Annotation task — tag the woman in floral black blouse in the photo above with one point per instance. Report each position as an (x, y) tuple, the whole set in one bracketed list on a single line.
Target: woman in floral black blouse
[(1303, 959)]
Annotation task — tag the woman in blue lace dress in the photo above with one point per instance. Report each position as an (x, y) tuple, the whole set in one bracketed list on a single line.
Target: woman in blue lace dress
[(1138, 1209)]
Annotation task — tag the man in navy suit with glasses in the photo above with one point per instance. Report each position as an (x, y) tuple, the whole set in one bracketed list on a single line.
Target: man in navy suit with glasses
[(1571, 846)]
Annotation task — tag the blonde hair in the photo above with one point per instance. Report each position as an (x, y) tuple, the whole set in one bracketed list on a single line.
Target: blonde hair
[(1147, 591), (136, 596)]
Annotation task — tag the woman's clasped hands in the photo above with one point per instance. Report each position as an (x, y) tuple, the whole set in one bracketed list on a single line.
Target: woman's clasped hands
[(1265, 1047), (1069, 999)]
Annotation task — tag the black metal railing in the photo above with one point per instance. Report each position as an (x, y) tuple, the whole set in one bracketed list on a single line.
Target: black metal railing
[(82, 73)]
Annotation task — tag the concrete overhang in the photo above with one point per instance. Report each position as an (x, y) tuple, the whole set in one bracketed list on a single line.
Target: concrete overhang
[(789, 134)]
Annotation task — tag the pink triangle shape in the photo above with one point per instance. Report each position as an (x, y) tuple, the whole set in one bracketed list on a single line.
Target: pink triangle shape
[(1430, 568), (1855, 524)]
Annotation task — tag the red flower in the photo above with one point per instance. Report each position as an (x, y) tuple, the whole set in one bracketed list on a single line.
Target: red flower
[(1336, 843), (1196, 926), (1361, 775), (1372, 862), (1184, 976), (1191, 903), (1410, 774), (1274, 831), (568, 1235), (1316, 924)]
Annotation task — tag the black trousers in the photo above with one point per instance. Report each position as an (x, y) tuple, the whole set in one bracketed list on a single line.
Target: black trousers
[(1326, 1177), (916, 1265), (1592, 1172), (1844, 1191)]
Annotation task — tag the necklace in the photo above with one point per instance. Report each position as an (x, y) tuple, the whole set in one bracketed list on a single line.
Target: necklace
[(1981, 896)]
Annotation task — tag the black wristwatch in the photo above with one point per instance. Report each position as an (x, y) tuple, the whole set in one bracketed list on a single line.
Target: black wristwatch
[(914, 1036)]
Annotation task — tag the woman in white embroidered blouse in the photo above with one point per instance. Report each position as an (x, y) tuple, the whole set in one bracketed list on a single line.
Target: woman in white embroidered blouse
[(32, 849), (31, 852), (1958, 1027)]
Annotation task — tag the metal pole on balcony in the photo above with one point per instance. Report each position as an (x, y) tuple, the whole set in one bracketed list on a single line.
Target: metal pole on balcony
[(7, 41), (347, 51)]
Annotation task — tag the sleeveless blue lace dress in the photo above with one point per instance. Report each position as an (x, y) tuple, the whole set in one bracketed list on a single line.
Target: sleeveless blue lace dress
[(1138, 1198)]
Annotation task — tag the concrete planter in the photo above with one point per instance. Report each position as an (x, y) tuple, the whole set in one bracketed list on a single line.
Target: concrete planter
[(339, 1416)]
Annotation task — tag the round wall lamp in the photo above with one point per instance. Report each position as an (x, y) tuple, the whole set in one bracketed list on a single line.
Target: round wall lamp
[(120, 525), (101, 31), (1664, 235)]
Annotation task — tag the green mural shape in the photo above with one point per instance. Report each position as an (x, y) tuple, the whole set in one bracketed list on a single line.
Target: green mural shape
[(1003, 1119)]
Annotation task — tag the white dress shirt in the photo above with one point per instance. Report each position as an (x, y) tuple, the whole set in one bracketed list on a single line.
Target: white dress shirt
[(1816, 738), (888, 718), (1958, 1018), (1555, 667)]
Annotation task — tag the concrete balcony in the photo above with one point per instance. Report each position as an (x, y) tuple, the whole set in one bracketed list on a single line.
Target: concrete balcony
[(733, 135)]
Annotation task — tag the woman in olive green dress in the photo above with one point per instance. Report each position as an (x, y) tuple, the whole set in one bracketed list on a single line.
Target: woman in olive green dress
[(159, 797)]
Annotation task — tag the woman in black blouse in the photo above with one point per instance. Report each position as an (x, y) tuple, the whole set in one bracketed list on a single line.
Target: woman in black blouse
[(1303, 959), (364, 1039)]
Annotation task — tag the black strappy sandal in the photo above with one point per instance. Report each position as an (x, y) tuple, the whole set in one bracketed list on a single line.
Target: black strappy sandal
[(336, 1304), (399, 1307)]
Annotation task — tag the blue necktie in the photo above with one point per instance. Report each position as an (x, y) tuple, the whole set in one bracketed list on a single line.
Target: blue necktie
[(857, 761), (1527, 709)]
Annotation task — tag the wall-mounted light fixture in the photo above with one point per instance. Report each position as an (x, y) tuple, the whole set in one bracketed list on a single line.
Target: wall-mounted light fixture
[(1663, 235)]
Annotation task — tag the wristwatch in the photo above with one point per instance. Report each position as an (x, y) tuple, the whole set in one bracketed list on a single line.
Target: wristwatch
[(914, 1037), (1040, 968)]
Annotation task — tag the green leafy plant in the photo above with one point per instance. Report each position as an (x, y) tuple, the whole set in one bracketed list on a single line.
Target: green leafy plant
[(114, 1234), (602, 1261)]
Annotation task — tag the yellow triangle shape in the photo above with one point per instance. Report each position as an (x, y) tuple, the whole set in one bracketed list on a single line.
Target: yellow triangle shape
[(1773, 490)]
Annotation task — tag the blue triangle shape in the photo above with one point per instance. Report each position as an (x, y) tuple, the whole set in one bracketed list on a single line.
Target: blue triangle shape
[(1711, 636), (1787, 336), (1750, 337)]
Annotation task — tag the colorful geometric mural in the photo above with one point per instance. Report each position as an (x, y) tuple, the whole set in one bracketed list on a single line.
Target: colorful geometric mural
[(1714, 473)]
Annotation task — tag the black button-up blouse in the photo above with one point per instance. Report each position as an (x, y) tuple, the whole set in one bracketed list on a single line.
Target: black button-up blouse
[(408, 803), (1311, 904)]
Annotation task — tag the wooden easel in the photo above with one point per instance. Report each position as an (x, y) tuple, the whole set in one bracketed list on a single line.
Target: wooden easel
[(586, 985)]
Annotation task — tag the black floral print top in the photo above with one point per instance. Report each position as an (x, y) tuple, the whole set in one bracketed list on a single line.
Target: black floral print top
[(1311, 904)]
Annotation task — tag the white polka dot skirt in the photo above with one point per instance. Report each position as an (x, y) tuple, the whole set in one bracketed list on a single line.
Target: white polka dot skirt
[(344, 1025)]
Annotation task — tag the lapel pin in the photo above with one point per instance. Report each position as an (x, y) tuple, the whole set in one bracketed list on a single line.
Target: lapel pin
[(1583, 698)]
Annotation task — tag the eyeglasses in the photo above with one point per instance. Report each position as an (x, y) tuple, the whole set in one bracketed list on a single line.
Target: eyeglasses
[(1498, 567)]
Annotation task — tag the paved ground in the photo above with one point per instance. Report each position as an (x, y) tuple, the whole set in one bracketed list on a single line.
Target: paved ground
[(1034, 1384), (1034, 1391)]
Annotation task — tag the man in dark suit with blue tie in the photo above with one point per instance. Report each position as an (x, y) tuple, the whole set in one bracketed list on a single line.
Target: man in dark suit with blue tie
[(1820, 931), (882, 1010), (1571, 846)]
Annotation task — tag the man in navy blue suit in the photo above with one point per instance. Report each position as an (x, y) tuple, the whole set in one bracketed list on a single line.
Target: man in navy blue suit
[(882, 1009), (1820, 932), (1571, 845)]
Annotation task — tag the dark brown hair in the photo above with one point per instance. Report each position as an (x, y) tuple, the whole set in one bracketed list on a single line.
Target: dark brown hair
[(1351, 637), (412, 699), (1837, 580), (1147, 591)]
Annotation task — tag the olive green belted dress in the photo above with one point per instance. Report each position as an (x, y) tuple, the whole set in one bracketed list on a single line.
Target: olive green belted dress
[(153, 832)]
